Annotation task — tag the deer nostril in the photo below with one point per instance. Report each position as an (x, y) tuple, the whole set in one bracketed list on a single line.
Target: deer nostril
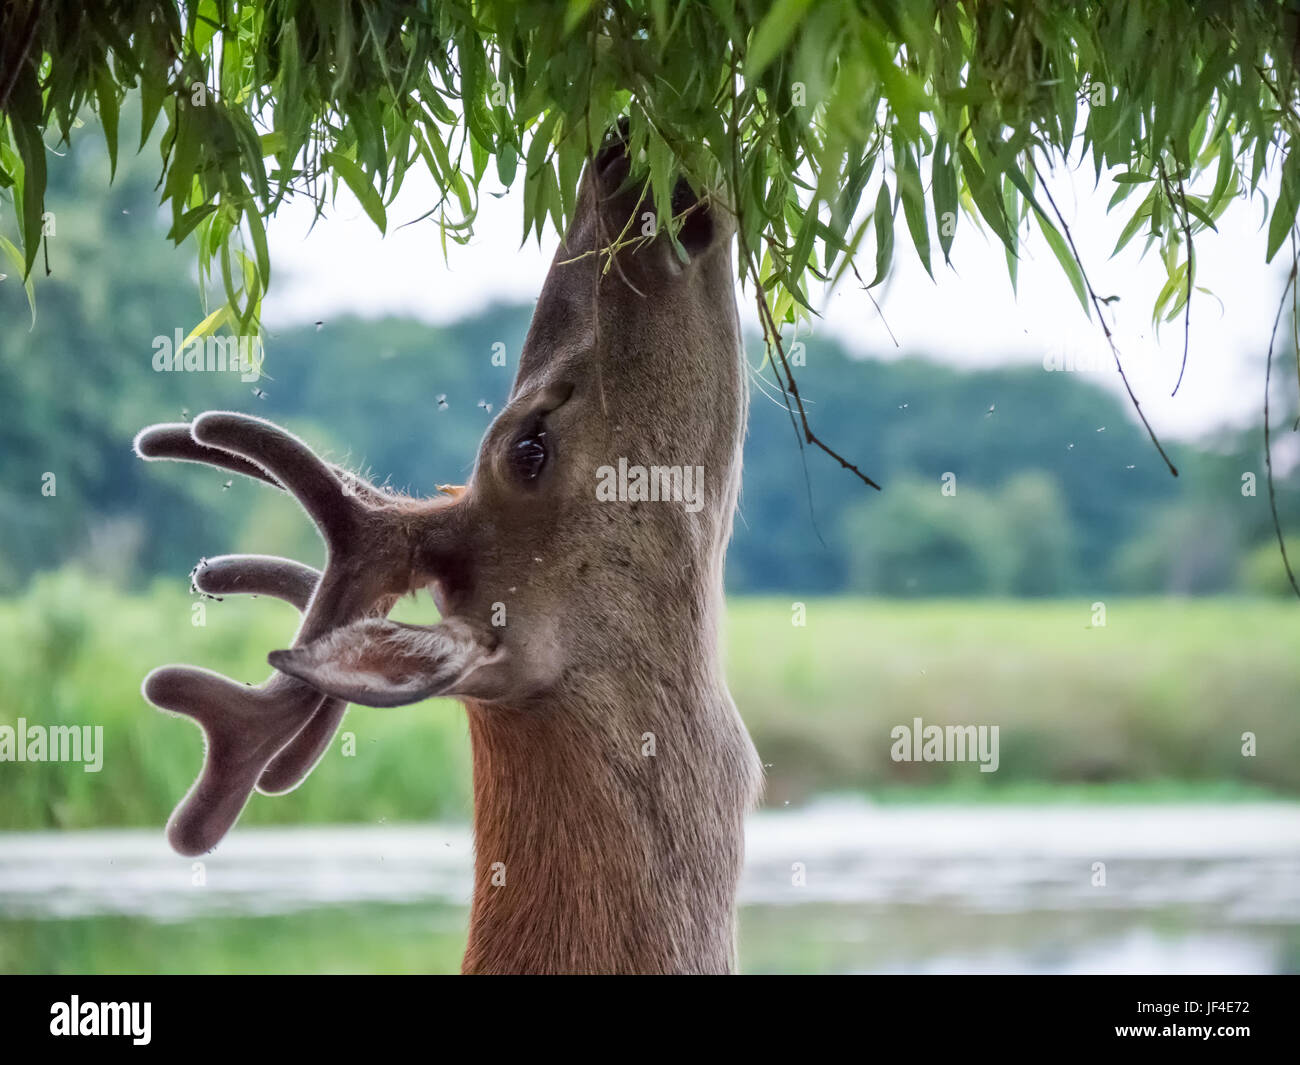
[(614, 150), (696, 233)]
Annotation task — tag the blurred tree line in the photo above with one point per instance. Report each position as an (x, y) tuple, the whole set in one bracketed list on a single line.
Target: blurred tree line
[(1012, 482)]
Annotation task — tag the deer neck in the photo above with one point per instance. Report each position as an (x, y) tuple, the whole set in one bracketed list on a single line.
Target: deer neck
[(609, 825)]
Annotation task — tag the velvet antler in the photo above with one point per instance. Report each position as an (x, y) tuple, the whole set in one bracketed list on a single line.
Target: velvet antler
[(271, 736), (294, 583)]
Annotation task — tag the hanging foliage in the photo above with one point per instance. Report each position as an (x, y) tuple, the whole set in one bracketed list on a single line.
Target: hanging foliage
[(838, 131)]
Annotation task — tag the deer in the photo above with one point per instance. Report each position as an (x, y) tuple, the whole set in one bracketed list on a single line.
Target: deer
[(611, 769)]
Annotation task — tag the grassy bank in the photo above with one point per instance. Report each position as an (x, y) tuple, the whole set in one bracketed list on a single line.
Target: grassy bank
[(1158, 697), (1151, 705)]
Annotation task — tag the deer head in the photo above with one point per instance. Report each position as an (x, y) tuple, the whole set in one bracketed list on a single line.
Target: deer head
[(579, 580)]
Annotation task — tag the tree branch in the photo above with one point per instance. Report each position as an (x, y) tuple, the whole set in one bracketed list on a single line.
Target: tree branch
[(1096, 303), (1268, 449)]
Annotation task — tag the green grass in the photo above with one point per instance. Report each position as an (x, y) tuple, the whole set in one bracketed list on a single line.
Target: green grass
[(330, 939), (1151, 706), (1159, 697)]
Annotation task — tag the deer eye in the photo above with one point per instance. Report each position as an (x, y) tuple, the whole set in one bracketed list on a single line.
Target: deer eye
[(528, 455)]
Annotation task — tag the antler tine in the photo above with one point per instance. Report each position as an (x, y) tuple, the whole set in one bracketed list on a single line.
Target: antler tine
[(281, 578), (294, 583), (172, 440), (290, 461), (245, 728), (295, 761)]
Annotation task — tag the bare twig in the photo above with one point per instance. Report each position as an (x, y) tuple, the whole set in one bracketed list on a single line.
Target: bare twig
[(867, 289), (1268, 450), (1295, 340), (773, 336), (771, 333), (1101, 318)]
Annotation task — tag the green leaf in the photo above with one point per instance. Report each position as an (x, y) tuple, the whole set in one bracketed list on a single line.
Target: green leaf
[(507, 163), (360, 185), (106, 95), (209, 325), (258, 232), (773, 34), (884, 219), (16, 263), (24, 119), (1198, 212), (576, 12), (913, 197), (943, 190), (186, 223), (1173, 286), (153, 87), (1284, 209), (1066, 258), (986, 195), (1142, 214)]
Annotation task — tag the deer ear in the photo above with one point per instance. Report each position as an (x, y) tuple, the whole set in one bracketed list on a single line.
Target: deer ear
[(383, 663)]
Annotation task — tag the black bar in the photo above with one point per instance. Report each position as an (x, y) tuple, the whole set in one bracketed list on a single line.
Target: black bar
[(338, 1014)]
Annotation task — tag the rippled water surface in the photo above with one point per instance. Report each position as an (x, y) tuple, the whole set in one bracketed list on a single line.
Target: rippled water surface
[(837, 886)]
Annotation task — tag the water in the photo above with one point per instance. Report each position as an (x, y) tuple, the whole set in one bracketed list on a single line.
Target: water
[(835, 887)]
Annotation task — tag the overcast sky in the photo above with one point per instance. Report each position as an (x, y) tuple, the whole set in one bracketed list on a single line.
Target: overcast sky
[(968, 316)]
